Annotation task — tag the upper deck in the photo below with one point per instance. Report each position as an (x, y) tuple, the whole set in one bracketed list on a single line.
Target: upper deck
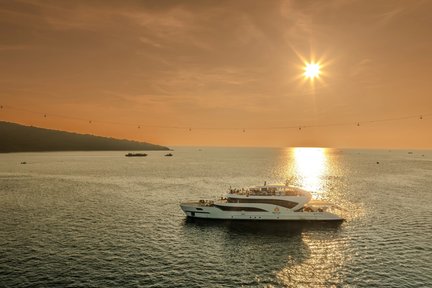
[(269, 190)]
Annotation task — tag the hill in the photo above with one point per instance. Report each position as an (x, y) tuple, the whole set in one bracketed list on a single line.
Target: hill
[(19, 138)]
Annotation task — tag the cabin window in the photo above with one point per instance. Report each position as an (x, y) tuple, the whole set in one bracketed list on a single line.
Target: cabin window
[(230, 208), (278, 202)]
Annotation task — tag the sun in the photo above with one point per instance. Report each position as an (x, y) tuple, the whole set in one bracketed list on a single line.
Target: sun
[(312, 70)]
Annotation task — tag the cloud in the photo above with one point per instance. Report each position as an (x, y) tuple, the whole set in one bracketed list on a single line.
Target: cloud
[(386, 17)]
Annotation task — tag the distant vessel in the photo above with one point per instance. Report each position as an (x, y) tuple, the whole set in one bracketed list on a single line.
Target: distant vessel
[(169, 155), (260, 203), (136, 155)]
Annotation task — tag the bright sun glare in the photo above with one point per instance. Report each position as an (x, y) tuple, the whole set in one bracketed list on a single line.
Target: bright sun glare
[(311, 165), (312, 70)]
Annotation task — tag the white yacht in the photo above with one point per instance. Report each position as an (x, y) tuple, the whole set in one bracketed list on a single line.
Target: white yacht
[(268, 202)]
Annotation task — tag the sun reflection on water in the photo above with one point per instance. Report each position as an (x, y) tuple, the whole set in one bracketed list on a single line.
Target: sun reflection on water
[(310, 165), (326, 254)]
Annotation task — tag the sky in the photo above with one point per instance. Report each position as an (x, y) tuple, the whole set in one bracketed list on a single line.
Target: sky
[(221, 73)]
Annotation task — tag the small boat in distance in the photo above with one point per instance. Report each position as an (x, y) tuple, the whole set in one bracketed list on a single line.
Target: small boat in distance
[(169, 155), (136, 155), (264, 203)]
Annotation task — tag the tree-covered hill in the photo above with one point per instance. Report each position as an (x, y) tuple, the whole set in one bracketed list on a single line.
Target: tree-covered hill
[(19, 138)]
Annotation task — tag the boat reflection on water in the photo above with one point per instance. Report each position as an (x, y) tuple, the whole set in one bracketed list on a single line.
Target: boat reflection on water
[(287, 255), (264, 227), (254, 246), (328, 255)]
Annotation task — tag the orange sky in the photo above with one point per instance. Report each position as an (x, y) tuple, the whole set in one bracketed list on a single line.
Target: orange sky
[(221, 64)]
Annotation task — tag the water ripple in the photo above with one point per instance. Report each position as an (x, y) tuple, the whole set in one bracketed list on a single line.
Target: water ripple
[(75, 222)]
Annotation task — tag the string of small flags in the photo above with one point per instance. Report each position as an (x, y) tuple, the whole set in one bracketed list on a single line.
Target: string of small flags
[(244, 129)]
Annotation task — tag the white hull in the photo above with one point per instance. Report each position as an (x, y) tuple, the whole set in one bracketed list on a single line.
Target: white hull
[(195, 210)]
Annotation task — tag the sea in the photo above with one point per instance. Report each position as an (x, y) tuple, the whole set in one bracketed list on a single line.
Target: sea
[(100, 219)]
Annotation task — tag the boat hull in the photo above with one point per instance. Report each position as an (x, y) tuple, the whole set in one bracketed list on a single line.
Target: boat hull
[(194, 210)]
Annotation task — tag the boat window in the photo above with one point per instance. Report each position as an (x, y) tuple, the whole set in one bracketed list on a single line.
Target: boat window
[(278, 202), (231, 208)]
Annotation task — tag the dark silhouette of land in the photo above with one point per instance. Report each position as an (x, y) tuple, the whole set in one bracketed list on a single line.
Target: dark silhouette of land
[(19, 138)]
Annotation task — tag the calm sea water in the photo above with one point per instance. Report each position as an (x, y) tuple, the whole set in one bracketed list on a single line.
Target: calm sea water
[(99, 219)]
